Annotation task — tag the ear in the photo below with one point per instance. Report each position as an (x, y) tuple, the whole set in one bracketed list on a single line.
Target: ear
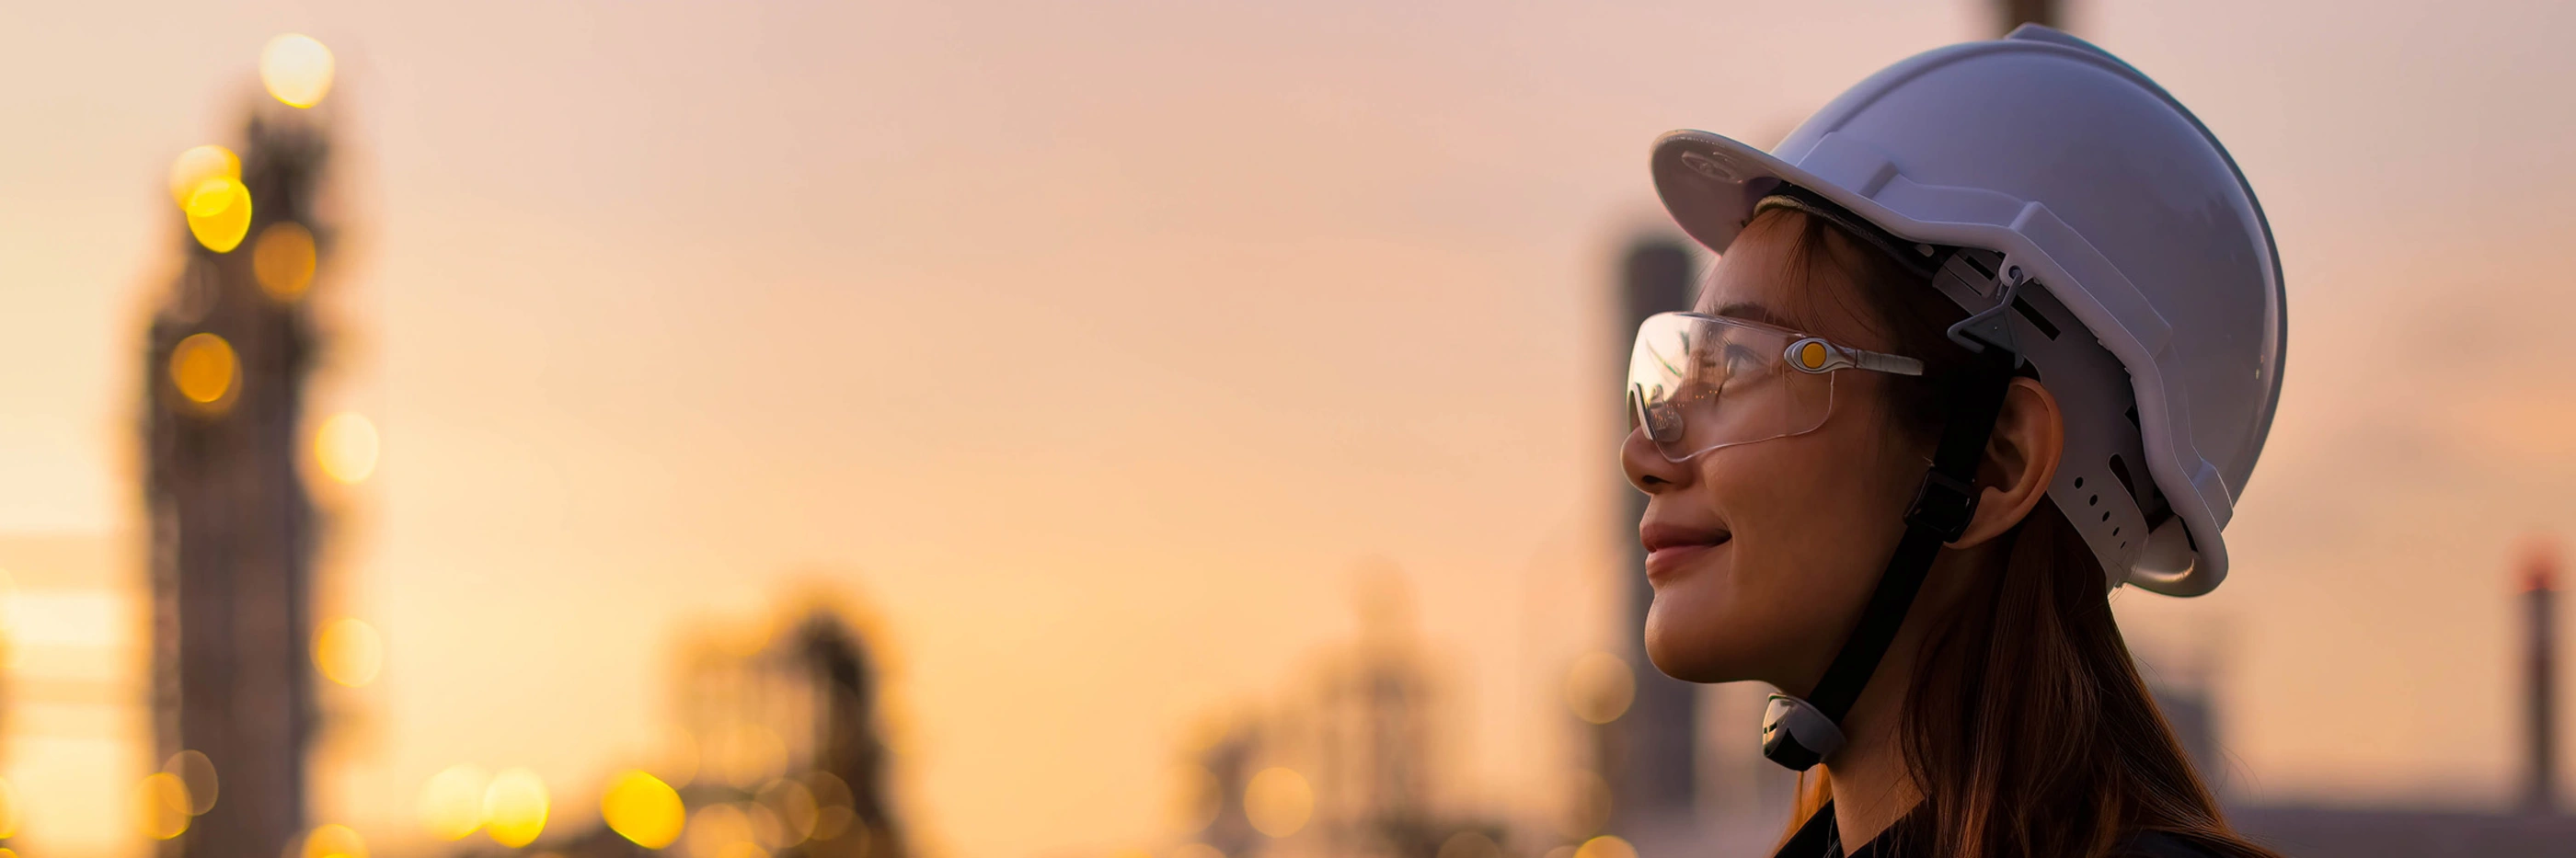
[(2021, 461)]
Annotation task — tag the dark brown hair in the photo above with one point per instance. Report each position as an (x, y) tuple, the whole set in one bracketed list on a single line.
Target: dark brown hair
[(2027, 728)]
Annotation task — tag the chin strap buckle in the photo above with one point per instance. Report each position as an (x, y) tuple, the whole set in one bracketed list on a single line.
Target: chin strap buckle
[(1945, 504), (1795, 735)]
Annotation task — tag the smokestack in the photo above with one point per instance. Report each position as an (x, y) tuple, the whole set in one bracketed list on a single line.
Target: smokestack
[(1650, 755), (2540, 687)]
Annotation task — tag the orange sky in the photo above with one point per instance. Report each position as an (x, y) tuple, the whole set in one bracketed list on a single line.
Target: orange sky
[(662, 305)]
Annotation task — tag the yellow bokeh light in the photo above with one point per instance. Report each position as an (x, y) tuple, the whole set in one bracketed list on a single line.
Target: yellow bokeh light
[(196, 773), (218, 211), (349, 651), (1279, 801), (1605, 846), (451, 803), (346, 447), (334, 841), (514, 808), (8, 810), (297, 69), (203, 367), (197, 165), (1600, 687), (161, 805), (641, 808), (283, 260)]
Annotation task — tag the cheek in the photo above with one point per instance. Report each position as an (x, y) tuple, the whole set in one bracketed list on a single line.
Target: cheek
[(1813, 518)]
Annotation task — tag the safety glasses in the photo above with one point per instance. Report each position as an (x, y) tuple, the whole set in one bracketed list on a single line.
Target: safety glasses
[(1698, 382)]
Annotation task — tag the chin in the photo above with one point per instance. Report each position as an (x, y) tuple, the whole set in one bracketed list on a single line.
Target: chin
[(1683, 647)]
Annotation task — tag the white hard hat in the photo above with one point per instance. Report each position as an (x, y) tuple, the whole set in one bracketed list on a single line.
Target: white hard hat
[(2134, 225)]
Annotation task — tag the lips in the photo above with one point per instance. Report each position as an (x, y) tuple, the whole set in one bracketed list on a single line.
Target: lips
[(1670, 547)]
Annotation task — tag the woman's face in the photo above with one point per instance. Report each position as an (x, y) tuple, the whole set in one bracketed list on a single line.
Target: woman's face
[(1762, 554)]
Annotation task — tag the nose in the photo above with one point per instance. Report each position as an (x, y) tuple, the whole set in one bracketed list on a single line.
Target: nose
[(1646, 466)]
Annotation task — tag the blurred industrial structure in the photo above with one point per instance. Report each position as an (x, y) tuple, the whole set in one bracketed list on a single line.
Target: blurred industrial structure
[(231, 526), (1350, 767), (782, 754)]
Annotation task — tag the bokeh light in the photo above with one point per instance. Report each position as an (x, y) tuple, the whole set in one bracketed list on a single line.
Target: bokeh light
[(1470, 844), (1279, 801), (514, 808), (197, 165), (161, 806), (8, 809), (346, 447), (641, 808), (349, 651), (297, 69), (1600, 687), (833, 814), (197, 773), (204, 368), (723, 831), (218, 211), (451, 803), (794, 805), (334, 841), (1196, 796), (283, 259), (1605, 846)]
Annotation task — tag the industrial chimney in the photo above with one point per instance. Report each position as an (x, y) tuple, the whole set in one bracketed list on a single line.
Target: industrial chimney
[(2540, 690)]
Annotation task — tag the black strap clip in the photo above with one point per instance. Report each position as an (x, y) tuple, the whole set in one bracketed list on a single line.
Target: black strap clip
[(1944, 504)]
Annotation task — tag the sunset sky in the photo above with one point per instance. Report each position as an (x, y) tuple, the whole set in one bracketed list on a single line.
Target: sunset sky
[(1094, 347)]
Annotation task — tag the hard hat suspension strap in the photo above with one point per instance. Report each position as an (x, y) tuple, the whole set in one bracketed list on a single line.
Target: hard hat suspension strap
[(1799, 733)]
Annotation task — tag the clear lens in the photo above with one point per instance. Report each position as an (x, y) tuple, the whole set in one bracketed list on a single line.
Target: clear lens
[(1697, 383)]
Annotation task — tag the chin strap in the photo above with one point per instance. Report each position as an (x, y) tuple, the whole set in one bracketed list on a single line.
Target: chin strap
[(1798, 733)]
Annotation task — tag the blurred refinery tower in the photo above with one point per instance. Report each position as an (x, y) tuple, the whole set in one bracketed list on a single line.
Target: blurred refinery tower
[(1648, 755), (791, 731), (232, 530), (2540, 679), (1349, 770)]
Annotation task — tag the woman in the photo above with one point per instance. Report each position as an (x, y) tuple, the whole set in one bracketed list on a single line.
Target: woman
[(1995, 332)]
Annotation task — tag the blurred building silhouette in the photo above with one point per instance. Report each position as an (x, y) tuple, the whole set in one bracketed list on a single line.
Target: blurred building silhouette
[(232, 531), (1649, 756), (785, 751), (1359, 753)]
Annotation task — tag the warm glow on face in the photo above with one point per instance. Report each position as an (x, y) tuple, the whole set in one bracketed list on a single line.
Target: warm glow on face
[(1600, 687), (514, 808), (349, 651), (1279, 801), (451, 803), (197, 165), (218, 212), (161, 805), (297, 69), (203, 368), (334, 841), (283, 260), (346, 447), (196, 773), (641, 808)]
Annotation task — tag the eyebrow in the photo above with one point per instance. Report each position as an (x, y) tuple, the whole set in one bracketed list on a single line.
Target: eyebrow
[(1753, 312)]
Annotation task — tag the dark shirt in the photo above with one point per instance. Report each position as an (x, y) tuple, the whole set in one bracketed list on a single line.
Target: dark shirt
[(1820, 838)]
